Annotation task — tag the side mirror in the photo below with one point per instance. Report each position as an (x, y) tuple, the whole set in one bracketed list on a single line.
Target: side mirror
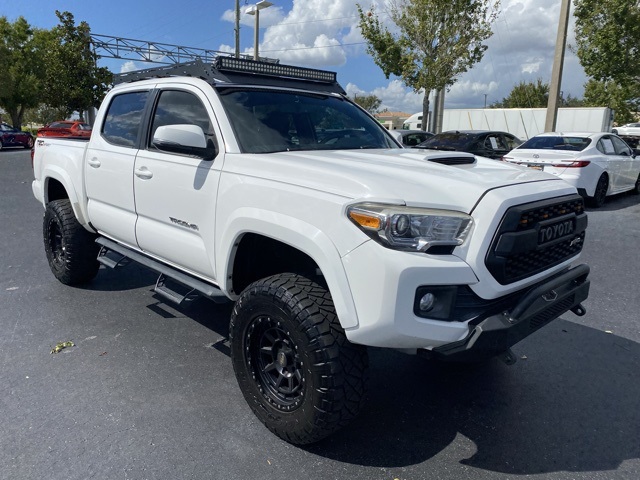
[(185, 140)]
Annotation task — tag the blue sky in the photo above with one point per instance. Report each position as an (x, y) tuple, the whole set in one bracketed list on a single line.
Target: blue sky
[(324, 34)]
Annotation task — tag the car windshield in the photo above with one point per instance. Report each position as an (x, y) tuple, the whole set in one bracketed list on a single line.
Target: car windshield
[(575, 144), (448, 141), (266, 121), (60, 125)]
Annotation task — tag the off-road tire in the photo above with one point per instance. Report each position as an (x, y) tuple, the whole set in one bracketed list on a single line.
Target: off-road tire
[(295, 367), (71, 249), (600, 193)]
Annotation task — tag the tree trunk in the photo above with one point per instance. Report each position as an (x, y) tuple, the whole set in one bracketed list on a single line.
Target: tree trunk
[(16, 115), (425, 110)]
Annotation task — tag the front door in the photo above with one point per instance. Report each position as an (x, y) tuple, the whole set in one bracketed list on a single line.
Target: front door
[(175, 194)]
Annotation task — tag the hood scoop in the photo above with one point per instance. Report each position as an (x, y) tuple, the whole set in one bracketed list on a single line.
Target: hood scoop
[(453, 160)]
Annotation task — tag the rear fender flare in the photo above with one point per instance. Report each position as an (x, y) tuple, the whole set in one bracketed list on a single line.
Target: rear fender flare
[(54, 172)]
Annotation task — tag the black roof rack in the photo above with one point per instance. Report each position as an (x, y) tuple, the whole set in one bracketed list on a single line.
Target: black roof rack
[(231, 70)]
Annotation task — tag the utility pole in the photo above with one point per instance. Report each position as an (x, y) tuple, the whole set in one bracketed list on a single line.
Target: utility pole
[(237, 29), (556, 71)]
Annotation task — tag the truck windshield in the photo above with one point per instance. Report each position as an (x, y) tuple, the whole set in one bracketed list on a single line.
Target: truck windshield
[(266, 121)]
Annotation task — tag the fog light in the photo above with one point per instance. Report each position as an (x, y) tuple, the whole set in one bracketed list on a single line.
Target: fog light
[(427, 302), (436, 302)]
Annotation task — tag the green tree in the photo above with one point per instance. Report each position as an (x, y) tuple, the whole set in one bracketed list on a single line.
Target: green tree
[(43, 114), (622, 99), (608, 39), (433, 42), (73, 81), (370, 103), (22, 68), (571, 101), (526, 95)]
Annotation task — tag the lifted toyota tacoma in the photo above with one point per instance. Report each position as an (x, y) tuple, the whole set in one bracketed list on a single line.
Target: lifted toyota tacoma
[(264, 185)]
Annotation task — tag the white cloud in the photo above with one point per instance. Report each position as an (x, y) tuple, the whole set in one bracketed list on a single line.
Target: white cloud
[(325, 34), (395, 96), (129, 66)]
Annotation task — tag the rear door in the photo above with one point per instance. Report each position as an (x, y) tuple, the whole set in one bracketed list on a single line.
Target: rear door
[(628, 164), (612, 162), (110, 159), (175, 194)]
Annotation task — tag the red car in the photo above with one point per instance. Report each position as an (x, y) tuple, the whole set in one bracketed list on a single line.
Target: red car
[(12, 137), (65, 128)]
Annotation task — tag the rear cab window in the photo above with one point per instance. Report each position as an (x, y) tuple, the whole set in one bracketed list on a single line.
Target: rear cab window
[(123, 120)]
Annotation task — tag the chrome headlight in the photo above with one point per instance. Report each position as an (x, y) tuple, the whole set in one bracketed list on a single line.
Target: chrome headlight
[(409, 228)]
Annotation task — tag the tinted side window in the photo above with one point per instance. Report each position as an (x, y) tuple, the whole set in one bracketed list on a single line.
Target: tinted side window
[(621, 147), (180, 108), (512, 142), (122, 123)]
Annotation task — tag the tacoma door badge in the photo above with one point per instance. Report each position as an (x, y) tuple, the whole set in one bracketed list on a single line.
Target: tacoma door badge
[(182, 223)]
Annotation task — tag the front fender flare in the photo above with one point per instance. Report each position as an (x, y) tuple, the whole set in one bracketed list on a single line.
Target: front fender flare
[(296, 233)]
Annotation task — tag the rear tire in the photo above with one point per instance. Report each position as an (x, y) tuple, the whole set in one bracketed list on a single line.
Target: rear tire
[(295, 367), (600, 193), (71, 250)]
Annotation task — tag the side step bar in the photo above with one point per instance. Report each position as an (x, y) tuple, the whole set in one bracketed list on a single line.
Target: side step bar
[(193, 286)]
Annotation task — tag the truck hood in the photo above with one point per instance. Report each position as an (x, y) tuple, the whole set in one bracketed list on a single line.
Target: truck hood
[(403, 176)]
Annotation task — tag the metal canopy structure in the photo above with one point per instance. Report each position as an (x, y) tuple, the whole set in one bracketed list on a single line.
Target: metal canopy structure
[(107, 46)]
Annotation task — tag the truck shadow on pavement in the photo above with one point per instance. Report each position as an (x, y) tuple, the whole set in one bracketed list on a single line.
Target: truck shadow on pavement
[(571, 403)]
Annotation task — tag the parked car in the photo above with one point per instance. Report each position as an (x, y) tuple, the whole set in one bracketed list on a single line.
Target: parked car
[(12, 137), (632, 129), (487, 143), (65, 128), (597, 164), (411, 138)]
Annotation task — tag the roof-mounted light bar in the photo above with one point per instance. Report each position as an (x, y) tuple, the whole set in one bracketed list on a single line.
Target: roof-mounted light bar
[(271, 69)]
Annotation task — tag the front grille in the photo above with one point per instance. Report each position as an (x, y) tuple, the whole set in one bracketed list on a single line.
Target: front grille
[(534, 237)]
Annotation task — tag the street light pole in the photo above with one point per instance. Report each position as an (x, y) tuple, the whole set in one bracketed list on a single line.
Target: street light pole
[(255, 10), (237, 29), (556, 72)]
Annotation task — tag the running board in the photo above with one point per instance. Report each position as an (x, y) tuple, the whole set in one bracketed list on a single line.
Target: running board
[(114, 255)]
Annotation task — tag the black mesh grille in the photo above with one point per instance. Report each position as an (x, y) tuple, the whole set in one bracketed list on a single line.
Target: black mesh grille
[(537, 260), (549, 314), (521, 248), (531, 217)]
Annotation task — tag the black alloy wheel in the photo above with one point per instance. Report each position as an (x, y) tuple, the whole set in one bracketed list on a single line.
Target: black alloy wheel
[(275, 362), (600, 193)]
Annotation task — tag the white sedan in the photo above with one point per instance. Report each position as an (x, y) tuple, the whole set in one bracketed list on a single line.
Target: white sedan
[(630, 129), (597, 164)]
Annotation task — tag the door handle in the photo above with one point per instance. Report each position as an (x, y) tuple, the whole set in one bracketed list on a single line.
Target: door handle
[(94, 162), (143, 173)]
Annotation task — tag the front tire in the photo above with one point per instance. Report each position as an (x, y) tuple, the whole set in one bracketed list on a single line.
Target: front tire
[(600, 193), (71, 249), (295, 367)]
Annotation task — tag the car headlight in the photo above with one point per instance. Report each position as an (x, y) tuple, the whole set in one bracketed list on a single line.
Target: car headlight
[(409, 228)]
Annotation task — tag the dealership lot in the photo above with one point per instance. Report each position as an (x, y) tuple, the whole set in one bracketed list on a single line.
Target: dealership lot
[(148, 390)]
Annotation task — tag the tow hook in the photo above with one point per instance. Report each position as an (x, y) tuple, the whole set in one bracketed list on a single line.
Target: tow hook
[(508, 357), (579, 310)]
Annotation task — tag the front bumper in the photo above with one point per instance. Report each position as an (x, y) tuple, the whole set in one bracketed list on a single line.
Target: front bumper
[(497, 333)]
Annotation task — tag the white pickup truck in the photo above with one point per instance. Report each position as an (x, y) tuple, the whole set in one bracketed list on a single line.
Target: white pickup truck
[(262, 184)]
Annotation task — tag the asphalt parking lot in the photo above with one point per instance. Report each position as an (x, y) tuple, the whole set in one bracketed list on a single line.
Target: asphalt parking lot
[(148, 390)]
